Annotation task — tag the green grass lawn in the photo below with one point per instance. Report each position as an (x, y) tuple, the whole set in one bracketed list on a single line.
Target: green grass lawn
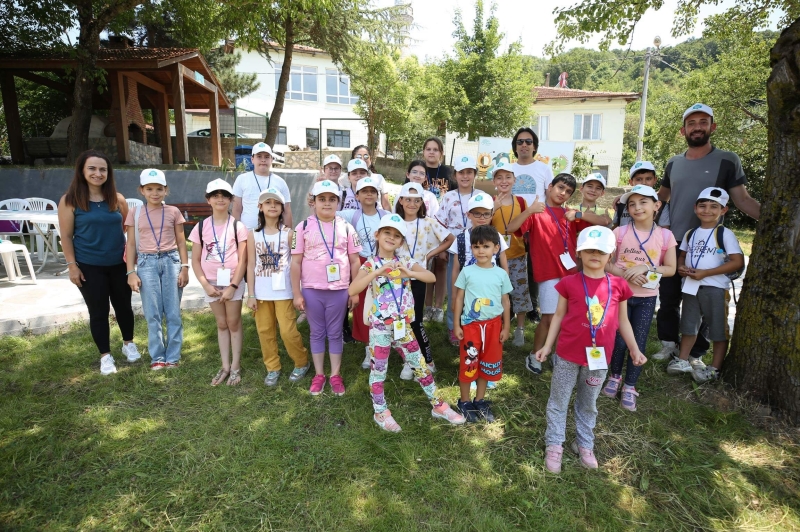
[(164, 450)]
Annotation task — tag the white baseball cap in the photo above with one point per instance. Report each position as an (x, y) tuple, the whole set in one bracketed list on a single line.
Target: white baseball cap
[(480, 200), (503, 165), (395, 222), (642, 165), (332, 158), (714, 194), (262, 146), (642, 190), (367, 182), (405, 192), (355, 164), (698, 108), (464, 162), (320, 187), (219, 184), (596, 176), (597, 237), (271, 193), (152, 176)]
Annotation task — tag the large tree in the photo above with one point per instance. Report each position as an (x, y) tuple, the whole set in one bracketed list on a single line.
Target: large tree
[(764, 358)]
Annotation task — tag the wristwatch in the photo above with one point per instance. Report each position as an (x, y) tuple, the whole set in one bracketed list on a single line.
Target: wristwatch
[(578, 215)]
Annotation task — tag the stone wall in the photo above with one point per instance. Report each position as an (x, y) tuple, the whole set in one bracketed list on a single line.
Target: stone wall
[(200, 149), (309, 159)]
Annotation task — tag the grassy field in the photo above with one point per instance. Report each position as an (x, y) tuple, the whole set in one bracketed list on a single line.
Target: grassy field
[(163, 450)]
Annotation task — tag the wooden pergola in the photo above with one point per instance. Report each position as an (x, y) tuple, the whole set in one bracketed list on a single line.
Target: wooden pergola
[(138, 78)]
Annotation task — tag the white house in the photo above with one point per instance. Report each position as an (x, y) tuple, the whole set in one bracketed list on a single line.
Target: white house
[(588, 118)]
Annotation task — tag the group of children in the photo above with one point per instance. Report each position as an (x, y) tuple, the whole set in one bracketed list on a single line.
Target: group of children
[(597, 288)]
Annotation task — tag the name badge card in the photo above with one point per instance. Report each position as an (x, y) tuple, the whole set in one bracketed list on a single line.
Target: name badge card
[(567, 261), (223, 276), (507, 238), (399, 329), (333, 273), (278, 280), (596, 358), (690, 286), (653, 278)]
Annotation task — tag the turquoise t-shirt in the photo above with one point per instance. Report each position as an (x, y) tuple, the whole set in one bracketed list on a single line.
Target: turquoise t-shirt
[(483, 292)]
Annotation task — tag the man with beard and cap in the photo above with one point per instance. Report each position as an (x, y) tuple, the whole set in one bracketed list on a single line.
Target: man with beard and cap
[(686, 175)]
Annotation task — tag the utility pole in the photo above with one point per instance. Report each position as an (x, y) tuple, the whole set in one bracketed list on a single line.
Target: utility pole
[(643, 109)]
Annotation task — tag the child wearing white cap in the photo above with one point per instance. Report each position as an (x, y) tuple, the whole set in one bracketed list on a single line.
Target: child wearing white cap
[(588, 213), (158, 267), (584, 345), (362, 152), (389, 315), (248, 187), (709, 255), (641, 173), (218, 261)]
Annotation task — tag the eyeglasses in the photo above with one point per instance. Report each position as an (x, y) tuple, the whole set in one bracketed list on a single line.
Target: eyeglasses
[(417, 173), (481, 215), (520, 142), (413, 201), (364, 157)]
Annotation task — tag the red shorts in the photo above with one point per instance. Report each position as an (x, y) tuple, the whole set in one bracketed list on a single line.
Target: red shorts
[(481, 352)]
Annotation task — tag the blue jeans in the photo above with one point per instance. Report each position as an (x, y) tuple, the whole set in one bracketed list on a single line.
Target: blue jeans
[(161, 298), (640, 314), (450, 258)]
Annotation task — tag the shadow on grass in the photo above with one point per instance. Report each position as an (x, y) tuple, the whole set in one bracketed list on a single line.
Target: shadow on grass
[(143, 449)]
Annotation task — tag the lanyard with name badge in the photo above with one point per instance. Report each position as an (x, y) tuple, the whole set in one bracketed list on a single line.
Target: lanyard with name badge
[(596, 356), (414, 249), (399, 323), (223, 273), (258, 184), (506, 236), (653, 277), (160, 231), (332, 269), (566, 259), (461, 208), (272, 260)]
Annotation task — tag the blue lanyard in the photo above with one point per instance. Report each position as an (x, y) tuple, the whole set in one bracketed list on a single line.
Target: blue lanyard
[(416, 239), (561, 232), (221, 249), (692, 262), (333, 239), (366, 234), (641, 244), (391, 286), (593, 328), (461, 208), (258, 184), (160, 231), (272, 255)]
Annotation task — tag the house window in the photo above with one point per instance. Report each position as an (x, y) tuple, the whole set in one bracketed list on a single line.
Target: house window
[(586, 127), (542, 127), (312, 138), (281, 136), (302, 83), (337, 88), (338, 138)]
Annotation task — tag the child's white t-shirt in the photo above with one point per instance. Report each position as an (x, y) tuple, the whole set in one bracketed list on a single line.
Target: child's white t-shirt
[(702, 253), (468, 258), (248, 186), (273, 258)]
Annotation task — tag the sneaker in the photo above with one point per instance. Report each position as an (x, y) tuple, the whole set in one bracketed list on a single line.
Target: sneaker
[(437, 315), (367, 363), (132, 352), (533, 365), (629, 395), (347, 336), (678, 366), (706, 374), (484, 408), (157, 365), (407, 374), (272, 378), (427, 315), (519, 337), (337, 385), (298, 373), (317, 384), (468, 410), (443, 411), (534, 316), (552, 458), (611, 389), (107, 366), (454, 339), (301, 318), (386, 421), (587, 456), (169, 365), (668, 349), (697, 363)]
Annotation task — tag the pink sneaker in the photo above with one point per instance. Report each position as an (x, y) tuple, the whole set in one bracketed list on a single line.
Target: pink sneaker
[(443, 411), (386, 421), (587, 456), (317, 384), (611, 389), (454, 339), (337, 386), (552, 458)]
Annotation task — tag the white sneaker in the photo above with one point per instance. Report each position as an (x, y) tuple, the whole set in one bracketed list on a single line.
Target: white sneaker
[(697, 363), (407, 374), (678, 366), (707, 374), (668, 349), (437, 315), (533, 365), (519, 337), (107, 366), (427, 314), (132, 352), (367, 364)]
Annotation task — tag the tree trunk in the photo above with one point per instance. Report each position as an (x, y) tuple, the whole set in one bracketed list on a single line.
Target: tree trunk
[(86, 77), (283, 84), (764, 359)]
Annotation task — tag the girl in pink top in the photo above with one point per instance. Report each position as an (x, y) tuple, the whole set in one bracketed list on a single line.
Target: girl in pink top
[(326, 251)]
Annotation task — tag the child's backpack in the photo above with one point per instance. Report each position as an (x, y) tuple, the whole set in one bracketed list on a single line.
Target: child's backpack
[(624, 230), (461, 241), (719, 233)]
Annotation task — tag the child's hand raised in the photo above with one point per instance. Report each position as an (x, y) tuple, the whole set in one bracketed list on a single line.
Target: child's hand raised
[(536, 207), (542, 354), (570, 214)]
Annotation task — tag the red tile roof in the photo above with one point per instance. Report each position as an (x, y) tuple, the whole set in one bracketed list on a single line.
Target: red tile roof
[(557, 93), (109, 54)]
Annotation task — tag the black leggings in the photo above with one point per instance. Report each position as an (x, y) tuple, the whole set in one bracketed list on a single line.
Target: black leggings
[(104, 283), (418, 290)]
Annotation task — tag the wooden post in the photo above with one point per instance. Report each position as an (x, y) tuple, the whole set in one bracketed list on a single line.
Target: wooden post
[(162, 110), (179, 104), (11, 106), (216, 141), (120, 116)]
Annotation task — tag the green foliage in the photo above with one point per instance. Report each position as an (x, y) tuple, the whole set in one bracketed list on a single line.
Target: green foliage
[(581, 162), (236, 84)]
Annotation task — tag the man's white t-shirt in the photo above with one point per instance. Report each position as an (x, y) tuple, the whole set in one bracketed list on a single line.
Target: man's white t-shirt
[(704, 254), (532, 180), (248, 186)]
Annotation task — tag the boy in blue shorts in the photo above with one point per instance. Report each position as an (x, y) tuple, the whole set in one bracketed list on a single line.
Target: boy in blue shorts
[(483, 324)]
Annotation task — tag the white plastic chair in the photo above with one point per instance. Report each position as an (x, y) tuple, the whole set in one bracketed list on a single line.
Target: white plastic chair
[(8, 252), (133, 203), (42, 204), (15, 204)]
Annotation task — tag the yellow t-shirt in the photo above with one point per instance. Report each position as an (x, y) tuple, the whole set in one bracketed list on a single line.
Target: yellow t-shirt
[(501, 218)]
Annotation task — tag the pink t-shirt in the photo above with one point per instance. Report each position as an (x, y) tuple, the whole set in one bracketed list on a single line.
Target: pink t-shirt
[(575, 334), (214, 246), (629, 254), (309, 243), (148, 237)]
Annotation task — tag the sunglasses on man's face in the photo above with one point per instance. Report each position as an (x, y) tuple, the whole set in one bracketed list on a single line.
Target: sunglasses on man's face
[(364, 157), (520, 142)]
